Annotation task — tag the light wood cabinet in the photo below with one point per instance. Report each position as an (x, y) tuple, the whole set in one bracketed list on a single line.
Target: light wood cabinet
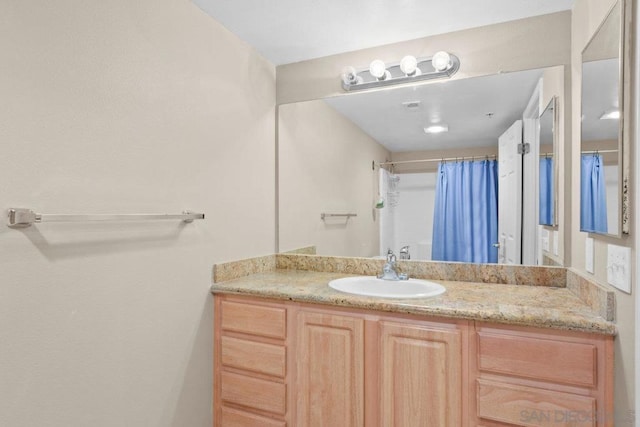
[(294, 364), (330, 370), (532, 377), (421, 368), (250, 363)]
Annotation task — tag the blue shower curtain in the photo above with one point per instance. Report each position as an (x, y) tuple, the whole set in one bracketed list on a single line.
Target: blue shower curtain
[(465, 220), (593, 197), (546, 191)]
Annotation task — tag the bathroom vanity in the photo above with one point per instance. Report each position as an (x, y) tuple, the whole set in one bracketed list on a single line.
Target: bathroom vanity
[(291, 351)]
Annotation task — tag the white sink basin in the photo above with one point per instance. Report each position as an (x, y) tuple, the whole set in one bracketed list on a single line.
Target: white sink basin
[(372, 286)]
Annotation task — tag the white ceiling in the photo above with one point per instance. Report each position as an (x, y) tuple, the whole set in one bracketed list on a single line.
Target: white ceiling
[(599, 95), (461, 104), (286, 31)]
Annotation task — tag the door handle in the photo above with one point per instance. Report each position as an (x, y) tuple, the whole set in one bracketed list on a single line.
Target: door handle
[(496, 245)]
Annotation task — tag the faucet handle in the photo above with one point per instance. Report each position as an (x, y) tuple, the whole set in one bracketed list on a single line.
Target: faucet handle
[(391, 258), (404, 252)]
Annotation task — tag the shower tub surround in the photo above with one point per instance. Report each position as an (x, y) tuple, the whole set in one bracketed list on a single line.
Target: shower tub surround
[(544, 297)]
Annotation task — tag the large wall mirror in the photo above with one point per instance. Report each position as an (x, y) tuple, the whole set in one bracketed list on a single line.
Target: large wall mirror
[(366, 172), (603, 157)]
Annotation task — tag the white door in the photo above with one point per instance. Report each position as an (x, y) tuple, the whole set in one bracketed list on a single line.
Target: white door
[(510, 195)]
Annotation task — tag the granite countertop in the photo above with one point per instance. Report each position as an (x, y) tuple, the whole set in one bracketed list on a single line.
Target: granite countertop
[(538, 306)]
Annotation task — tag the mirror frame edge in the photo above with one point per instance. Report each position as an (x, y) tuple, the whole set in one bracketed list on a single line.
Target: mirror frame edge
[(626, 72), (553, 102), (556, 163)]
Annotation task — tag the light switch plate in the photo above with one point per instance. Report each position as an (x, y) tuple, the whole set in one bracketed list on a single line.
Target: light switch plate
[(556, 239), (619, 267), (545, 240), (588, 255)]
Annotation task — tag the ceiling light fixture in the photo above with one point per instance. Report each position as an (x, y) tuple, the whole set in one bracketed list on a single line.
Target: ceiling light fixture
[(436, 129), (610, 115), (409, 69)]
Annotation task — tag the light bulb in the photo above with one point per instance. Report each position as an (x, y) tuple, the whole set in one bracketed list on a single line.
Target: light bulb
[(610, 115), (378, 69), (441, 61), (409, 66), (436, 129), (350, 77)]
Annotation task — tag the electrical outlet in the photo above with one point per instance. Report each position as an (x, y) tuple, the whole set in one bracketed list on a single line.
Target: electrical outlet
[(619, 267), (556, 239), (588, 255), (545, 240)]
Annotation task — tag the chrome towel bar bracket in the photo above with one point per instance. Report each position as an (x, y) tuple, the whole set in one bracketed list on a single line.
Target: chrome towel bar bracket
[(20, 217)]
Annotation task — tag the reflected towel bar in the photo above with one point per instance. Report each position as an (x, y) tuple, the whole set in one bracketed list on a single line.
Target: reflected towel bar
[(327, 215), (20, 217)]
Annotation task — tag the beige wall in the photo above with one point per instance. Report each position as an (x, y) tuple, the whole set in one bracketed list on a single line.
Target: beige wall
[(325, 166), (525, 44), (587, 16), (124, 106)]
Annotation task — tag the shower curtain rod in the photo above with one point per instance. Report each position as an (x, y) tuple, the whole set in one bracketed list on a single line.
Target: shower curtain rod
[(585, 152), (440, 159), (598, 151)]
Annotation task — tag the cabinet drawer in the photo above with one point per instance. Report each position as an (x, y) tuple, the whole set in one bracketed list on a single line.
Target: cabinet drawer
[(528, 406), (565, 362), (254, 319), (235, 418), (253, 392), (253, 356)]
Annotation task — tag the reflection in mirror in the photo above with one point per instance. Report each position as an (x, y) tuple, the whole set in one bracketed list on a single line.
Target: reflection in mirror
[(601, 148), (547, 188), (460, 136)]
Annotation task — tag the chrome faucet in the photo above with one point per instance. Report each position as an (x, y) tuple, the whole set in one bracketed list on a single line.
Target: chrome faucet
[(389, 272), (404, 252)]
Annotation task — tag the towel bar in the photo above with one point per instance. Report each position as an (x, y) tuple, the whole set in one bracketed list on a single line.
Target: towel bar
[(20, 217), (327, 215)]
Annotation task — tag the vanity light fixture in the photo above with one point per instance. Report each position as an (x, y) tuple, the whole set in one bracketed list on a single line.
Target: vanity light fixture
[(610, 115), (409, 69), (436, 129)]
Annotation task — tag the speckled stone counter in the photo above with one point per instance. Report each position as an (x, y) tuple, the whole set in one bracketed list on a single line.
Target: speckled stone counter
[(537, 306)]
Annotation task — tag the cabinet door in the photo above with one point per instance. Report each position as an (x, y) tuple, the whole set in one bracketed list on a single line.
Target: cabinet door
[(421, 382), (330, 370)]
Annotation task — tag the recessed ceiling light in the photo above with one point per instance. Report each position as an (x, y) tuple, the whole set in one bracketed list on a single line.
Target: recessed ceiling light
[(436, 129), (610, 115)]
